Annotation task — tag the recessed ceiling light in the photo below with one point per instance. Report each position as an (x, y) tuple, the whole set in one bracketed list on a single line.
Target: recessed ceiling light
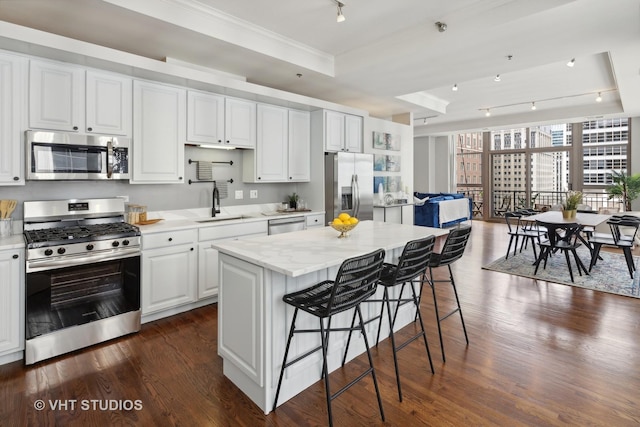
[(496, 78), (571, 63)]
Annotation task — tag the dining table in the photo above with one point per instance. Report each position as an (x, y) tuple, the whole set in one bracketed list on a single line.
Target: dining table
[(585, 219)]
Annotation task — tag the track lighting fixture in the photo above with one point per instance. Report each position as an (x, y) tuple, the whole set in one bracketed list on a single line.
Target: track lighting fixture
[(533, 106), (488, 113), (496, 78), (442, 27), (340, 17), (455, 88), (572, 62), (599, 98)]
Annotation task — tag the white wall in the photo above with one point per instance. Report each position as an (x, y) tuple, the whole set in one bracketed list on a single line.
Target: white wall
[(433, 161)]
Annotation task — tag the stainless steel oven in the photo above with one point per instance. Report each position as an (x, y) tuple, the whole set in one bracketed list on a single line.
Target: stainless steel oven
[(82, 275), (69, 156)]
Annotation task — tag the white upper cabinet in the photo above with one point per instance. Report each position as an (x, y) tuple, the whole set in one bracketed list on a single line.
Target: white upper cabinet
[(272, 143), (159, 124), (68, 98), (56, 96), (353, 133), (240, 123), (282, 152), (13, 94), (299, 146), (205, 118), (108, 104), (343, 132)]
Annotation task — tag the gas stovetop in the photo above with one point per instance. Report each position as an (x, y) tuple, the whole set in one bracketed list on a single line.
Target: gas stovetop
[(39, 238), (61, 233)]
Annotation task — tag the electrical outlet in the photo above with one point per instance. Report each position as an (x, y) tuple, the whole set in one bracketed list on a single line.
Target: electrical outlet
[(253, 194), (239, 194)]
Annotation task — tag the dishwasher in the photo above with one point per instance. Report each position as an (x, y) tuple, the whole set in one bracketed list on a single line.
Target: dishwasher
[(285, 225)]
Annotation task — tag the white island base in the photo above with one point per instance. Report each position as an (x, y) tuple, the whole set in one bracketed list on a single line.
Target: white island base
[(253, 321)]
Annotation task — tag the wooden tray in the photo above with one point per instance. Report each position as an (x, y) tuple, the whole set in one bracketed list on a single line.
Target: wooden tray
[(149, 221)]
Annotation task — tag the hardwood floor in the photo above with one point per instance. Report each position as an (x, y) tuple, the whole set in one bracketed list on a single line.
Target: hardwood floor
[(539, 354)]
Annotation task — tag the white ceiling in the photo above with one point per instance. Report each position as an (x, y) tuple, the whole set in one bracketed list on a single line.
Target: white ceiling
[(386, 50)]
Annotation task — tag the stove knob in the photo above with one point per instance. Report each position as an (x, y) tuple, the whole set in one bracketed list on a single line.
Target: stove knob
[(61, 250), (115, 244), (48, 252), (125, 242), (89, 247)]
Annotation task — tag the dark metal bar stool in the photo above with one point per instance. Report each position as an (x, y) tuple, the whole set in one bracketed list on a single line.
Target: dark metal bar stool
[(452, 250), (355, 281), (411, 266)]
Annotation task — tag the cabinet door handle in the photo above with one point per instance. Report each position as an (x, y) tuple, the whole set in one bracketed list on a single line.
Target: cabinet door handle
[(16, 256), (191, 248), (16, 178), (89, 129), (75, 128), (171, 239)]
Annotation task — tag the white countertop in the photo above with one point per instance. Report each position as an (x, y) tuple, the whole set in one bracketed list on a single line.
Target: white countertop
[(194, 218), (15, 241), (302, 252)]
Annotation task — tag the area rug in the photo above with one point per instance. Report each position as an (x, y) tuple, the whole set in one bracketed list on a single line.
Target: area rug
[(610, 274)]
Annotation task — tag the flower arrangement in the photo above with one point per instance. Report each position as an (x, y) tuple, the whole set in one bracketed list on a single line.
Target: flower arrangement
[(574, 198)]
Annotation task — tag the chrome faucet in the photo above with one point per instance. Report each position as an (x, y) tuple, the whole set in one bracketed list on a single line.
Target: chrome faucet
[(216, 200)]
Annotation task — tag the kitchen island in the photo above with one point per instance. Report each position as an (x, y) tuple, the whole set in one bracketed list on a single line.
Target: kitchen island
[(253, 321)]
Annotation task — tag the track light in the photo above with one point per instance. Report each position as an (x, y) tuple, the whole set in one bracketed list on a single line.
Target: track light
[(496, 78), (442, 27), (533, 106), (340, 17), (599, 98), (455, 88), (488, 113), (571, 63)]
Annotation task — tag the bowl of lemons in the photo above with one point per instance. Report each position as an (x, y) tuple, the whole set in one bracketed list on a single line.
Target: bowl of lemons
[(344, 223)]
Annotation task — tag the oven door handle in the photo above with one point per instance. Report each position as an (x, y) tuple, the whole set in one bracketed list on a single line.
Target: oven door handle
[(76, 260), (109, 158)]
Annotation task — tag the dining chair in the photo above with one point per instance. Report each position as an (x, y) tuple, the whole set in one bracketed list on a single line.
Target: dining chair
[(624, 230), (356, 281), (516, 228), (563, 237)]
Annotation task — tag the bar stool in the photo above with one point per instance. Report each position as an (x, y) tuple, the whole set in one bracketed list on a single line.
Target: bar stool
[(356, 280), (452, 250), (411, 266)]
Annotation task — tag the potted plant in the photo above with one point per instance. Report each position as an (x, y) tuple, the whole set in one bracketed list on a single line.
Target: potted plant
[(293, 201), (627, 187), (570, 205)]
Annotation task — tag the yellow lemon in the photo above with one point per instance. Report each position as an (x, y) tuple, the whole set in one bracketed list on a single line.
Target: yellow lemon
[(337, 221), (344, 216), (353, 220)]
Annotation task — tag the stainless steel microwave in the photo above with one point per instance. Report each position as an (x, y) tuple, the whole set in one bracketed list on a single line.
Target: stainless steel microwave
[(70, 156)]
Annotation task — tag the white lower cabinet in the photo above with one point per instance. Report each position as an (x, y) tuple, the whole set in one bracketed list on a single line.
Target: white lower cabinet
[(169, 270), (11, 303), (208, 274)]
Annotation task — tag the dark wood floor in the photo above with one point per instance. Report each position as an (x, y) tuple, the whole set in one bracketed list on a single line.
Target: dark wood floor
[(540, 354)]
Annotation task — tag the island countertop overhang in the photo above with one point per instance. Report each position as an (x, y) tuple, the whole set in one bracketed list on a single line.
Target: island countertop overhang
[(302, 252)]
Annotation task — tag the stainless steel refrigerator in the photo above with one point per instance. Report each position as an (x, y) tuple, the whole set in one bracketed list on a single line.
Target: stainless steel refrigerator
[(348, 185)]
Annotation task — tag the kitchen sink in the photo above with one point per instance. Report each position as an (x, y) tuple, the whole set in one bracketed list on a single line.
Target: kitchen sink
[(220, 218)]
